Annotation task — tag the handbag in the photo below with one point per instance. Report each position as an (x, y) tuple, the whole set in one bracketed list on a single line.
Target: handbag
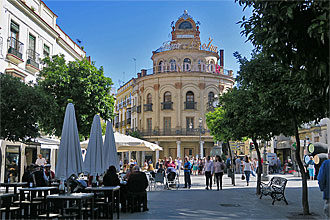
[(243, 177)]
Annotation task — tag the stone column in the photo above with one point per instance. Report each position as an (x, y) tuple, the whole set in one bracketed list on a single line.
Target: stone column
[(23, 159), (157, 153), (129, 156), (143, 157), (201, 147), (138, 157), (178, 148), (3, 159)]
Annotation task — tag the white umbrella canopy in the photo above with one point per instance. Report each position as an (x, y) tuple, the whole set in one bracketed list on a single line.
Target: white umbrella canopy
[(110, 156), (93, 163), (69, 155)]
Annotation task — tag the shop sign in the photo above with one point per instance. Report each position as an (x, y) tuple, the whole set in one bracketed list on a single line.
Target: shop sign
[(171, 45)]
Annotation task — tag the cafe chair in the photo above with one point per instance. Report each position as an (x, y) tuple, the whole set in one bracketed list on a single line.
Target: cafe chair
[(136, 201)]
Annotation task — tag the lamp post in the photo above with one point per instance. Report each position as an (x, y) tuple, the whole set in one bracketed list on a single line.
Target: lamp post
[(200, 137)]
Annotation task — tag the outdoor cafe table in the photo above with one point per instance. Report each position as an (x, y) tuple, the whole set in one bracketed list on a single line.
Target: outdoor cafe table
[(4, 196), (15, 185), (64, 198), (106, 190), (32, 193)]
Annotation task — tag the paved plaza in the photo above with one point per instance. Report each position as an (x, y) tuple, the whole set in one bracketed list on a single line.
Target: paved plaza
[(239, 202)]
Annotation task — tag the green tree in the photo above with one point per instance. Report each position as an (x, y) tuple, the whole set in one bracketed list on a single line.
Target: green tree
[(221, 129), (285, 94), (295, 33), (21, 107), (81, 83)]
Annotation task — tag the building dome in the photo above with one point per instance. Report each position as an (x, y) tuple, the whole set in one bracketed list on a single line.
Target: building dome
[(169, 101)]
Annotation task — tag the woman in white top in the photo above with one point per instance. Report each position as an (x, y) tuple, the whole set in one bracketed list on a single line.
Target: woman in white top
[(247, 168)]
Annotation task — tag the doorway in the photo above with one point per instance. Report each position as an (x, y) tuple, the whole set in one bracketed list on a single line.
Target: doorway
[(189, 152), (12, 165)]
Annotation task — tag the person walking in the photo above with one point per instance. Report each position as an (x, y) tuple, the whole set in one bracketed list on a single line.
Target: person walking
[(219, 168), (311, 168), (209, 168), (238, 165), (324, 184), (279, 167), (187, 170), (247, 168)]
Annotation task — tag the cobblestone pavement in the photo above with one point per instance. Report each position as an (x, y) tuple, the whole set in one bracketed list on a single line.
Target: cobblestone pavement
[(239, 202)]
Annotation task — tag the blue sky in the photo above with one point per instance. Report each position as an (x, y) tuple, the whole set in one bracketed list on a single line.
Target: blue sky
[(115, 32)]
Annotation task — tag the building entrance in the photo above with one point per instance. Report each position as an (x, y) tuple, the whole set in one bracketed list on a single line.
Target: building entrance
[(189, 152)]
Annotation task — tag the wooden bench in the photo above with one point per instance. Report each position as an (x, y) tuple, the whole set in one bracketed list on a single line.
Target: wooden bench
[(274, 188)]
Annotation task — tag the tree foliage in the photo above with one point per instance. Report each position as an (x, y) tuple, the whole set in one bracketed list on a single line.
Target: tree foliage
[(21, 107), (81, 83), (296, 34)]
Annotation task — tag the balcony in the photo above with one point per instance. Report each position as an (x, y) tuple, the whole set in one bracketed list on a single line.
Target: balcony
[(190, 105), (117, 125), (15, 50), (167, 105), (138, 109), (32, 63), (174, 132), (148, 107), (134, 108)]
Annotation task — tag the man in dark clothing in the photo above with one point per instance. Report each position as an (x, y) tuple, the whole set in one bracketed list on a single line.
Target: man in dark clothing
[(27, 176), (138, 183), (39, 176)]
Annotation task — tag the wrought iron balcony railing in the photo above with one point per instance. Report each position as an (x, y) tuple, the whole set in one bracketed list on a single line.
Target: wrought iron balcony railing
[(167, 105), (15, 47), (174, 132), (190, 105), (147, 107), (32, 58), (138, 109), (134, 108)]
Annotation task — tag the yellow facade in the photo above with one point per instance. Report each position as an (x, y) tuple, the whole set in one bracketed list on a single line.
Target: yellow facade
[(169, 101)]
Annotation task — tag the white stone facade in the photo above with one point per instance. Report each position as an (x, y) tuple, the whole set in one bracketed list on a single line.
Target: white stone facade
[(29, 33)]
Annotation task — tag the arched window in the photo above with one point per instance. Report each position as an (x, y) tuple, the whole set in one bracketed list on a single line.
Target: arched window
[(167, 97), (161, 66), (167, 104), (190, 104), (172, 65), (149, 99), (190, 96), (211, 97), (185, 25), (187, 64)]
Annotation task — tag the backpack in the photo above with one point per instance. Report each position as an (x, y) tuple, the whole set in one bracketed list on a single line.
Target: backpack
[(222, 166)]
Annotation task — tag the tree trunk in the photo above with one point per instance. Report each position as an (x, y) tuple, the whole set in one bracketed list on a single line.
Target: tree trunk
[(302, 170), (231, 165), (259, 165)]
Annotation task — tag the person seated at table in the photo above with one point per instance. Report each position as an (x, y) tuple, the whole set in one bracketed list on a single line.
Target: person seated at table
[(138, 183), (151, 170), (27, 176), (39, 176), (50, 175), (128, 172), (111, 178), (161, 169)]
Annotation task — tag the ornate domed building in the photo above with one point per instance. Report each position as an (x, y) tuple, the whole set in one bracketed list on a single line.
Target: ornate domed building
[(168, 103)]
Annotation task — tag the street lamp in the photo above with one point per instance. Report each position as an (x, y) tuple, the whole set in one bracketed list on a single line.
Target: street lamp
[(200, 136)]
